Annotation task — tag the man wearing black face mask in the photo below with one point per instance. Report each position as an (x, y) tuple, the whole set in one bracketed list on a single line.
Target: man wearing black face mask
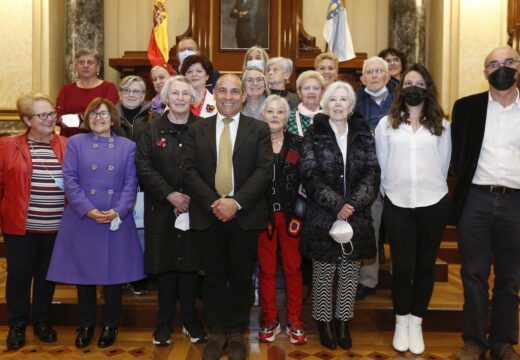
[(486, 207)]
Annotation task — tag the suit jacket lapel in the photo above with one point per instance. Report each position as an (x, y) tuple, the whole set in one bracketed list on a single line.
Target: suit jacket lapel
[(479, 125), (244, 128), (210, 131)]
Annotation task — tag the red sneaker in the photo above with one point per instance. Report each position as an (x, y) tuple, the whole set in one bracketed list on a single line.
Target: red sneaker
[(296, 332), (269, 329)]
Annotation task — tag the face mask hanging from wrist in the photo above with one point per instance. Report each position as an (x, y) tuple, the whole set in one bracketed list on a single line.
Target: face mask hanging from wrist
[(342, 233)]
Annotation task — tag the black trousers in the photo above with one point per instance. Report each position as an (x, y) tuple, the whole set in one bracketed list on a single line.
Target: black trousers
[(87, 305), (490, 226), (228, 256), (28, 257), (173, 283), (415, 235)]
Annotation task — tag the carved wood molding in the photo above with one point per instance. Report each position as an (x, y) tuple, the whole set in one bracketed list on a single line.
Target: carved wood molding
[(287, 38), (9, 114)]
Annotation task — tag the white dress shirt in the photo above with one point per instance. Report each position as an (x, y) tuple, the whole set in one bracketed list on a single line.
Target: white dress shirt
[(414, 166), (341, 140), (233, 128), (499, 160)]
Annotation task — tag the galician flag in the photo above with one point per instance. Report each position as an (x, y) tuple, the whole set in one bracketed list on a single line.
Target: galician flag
[(336, 31), (158, 48)]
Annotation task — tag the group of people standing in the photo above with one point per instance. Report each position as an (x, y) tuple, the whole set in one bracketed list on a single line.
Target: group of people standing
[(235, 169)]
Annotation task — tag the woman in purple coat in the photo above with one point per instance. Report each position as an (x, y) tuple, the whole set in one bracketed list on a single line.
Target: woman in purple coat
[(97, 241)]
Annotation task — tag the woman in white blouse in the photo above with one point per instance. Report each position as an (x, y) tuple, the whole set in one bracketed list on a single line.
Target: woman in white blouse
[(413, 146)]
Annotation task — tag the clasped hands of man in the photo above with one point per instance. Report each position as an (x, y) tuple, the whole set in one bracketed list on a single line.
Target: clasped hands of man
[(224, 208)]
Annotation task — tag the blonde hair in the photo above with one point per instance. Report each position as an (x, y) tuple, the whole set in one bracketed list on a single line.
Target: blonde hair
[(24, 103), (326, 56), (309, 74)]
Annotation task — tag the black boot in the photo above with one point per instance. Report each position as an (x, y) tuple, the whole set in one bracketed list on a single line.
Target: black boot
[(343, 334), (327, 338)]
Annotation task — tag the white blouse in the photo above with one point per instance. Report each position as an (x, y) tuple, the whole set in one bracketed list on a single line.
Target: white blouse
[(414, 166)]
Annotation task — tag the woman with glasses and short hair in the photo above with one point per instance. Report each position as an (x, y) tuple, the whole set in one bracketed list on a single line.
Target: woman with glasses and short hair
[(133, 110), (31, 206), (309, 86), (255, 90), (97, 242)]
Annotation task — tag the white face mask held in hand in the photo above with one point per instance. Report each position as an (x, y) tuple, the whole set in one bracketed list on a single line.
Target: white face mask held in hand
[(183, 222), (342, 233)]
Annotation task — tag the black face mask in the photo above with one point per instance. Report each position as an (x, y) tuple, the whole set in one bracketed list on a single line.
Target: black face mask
[(414, 95), (502, 78)]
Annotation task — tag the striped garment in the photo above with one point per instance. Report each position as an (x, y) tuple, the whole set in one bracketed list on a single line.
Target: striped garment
[(46, 201)]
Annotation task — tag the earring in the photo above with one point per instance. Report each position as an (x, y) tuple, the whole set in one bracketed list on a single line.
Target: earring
[(97, 73)]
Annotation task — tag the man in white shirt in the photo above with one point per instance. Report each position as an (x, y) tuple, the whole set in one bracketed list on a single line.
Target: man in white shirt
[(486, 207)]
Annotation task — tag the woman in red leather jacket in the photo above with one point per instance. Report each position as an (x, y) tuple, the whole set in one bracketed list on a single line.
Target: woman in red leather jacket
[(31, 205)]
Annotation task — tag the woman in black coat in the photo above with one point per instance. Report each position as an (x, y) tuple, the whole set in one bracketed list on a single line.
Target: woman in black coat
[(340, 173), (170, 252)]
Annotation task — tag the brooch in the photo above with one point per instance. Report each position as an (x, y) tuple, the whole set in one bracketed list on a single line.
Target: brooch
[(210, 108), (161, 143)]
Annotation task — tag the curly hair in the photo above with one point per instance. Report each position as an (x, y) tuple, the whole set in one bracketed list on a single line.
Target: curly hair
[(432, 113)]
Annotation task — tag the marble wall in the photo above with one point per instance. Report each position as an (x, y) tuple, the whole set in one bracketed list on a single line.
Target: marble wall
[(84, 29), (407, 28)]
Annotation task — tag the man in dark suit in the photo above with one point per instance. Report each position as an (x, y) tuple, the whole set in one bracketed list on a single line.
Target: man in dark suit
[(228, 166), (245, 13), (486, 207)]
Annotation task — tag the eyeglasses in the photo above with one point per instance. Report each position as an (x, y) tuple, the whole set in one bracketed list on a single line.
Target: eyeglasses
[(375, 72), (43, 116), (493, 65), (132, 92), (257, 80), (102, 114)]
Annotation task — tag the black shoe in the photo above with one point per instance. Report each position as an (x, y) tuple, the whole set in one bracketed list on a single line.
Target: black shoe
[(16, 337), (364, 291), (195, 331), (343, 334), (84, 336), (236, 348), (214, 347), (107, 337), (138, 287), (44, 331), (326, 331), (161, 335)]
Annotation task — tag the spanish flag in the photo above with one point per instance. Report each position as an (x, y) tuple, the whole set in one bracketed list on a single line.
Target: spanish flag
[(158, 48)]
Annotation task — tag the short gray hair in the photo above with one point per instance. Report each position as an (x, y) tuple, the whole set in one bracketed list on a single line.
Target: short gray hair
[(375, 60), (351, 95), (181, 79), (273, 98), (128, 80), (287, 64)]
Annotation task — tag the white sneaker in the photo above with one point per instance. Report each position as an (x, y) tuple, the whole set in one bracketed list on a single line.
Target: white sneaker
[(415, 335), (400, 342)]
